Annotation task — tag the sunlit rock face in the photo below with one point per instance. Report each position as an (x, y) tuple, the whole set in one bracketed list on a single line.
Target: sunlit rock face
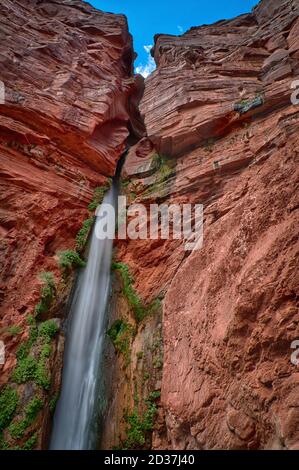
[(204, 72), (221, 131), (71, 102), (219, 107)]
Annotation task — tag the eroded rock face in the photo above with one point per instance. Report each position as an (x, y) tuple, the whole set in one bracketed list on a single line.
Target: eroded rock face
[(222, 131), (231, 309), (202, 73), (67, 70), (71, 102)]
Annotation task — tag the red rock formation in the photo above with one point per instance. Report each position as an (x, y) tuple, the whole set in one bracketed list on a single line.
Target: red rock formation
[(70, 105), (220, 102), (218, 111), (202, 73)]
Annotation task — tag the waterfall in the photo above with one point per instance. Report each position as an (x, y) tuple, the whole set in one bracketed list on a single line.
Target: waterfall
[(76, 412)]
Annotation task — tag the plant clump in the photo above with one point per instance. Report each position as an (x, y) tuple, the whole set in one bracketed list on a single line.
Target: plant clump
[(47, 293), (69, 259), (164, 167), (139, 427), (246, 105), (120, 334), (129, 292), (9, 401), (14, 330), (18, 429), (82, 235), (33, 367), (48, 329), (135, 302), (98, 196)]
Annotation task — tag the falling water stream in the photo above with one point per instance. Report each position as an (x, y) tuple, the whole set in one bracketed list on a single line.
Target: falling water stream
[(76, 412)]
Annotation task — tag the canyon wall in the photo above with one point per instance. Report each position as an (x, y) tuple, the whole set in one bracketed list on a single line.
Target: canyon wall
[(223, 132), (71, 102), (200, 341)]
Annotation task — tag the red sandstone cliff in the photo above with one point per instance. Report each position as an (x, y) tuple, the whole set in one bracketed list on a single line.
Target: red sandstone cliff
[(219, 107), (218, 112), (71, 102)]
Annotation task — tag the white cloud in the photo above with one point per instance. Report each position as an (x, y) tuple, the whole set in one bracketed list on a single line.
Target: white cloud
[(180, 28), (146, 69)]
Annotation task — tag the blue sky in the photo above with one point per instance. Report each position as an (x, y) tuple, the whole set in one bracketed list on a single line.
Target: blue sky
[(147, 18)]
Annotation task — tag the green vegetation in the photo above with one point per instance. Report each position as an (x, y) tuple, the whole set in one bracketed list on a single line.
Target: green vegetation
[(120, 334), (129, 292), (30, 368), (158, 363), (30, 443), (23, 350), (83, 233), (25, 347), (243, 102), (154, 395), (3, 444), (26, 364), (165, 170), (154, 307), (42, 375), (47, 293), (99, 194), (69, 259), (134, 301), (53, 402), (157, 351), (125, 184), (25, 370), (139, 355), (31, 320), (132, 196), (9, 401), (246, 105), (17, 430), (33, 367), (139, 426), (48, 329), (135, 431), (164, 167), (14, 330)]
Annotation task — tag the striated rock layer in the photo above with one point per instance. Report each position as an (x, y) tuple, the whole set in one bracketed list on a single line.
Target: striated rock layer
[(71, 102), (204, 72), (218, 109)]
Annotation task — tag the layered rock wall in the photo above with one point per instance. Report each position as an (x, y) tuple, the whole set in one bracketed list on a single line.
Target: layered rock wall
[(218, 111), (71, 103), (221, 131)]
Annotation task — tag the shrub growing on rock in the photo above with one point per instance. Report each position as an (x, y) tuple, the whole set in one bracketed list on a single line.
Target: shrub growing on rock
[(9, 401), (69, 259)]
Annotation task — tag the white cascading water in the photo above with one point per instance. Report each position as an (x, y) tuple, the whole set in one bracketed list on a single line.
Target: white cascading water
[(76, 412)]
